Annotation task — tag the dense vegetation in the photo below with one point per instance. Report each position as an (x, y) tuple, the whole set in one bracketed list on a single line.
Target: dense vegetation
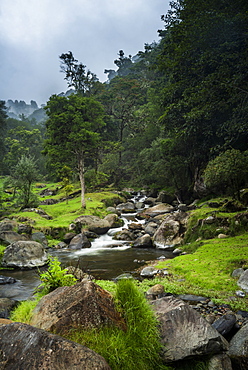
[(166, 113), (174, 118)]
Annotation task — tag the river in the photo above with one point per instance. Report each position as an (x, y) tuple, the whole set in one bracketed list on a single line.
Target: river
[(106, 259)]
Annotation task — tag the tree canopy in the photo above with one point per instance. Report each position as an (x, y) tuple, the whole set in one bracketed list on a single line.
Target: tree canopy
[(73, 133)]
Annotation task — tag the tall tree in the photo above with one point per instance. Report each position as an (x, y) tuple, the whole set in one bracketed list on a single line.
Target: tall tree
[(77, 76), (23, 176), (73, 133), (3, 127), (204, 53)]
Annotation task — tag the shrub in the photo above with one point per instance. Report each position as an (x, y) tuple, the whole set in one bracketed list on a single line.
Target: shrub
[(228, 171), (55, 277)]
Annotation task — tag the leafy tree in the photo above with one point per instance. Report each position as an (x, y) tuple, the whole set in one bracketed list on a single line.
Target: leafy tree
[(83, 81), (73, 133), (3, 127), (20, 140), (23, 176), (228, 171), (203, 52)]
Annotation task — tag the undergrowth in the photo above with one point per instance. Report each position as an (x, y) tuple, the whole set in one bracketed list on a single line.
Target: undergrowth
[(136, 348)]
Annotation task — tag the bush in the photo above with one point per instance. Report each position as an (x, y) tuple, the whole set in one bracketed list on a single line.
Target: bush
[(55, 277), (227, 172)]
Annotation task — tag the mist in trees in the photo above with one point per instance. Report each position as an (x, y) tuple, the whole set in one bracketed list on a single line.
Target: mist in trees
[(163, 116)]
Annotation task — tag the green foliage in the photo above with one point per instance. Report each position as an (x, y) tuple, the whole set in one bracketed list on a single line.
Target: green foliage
[(228, 171), (73, 133), (2, 249), (55, 277), (23, 312), (23, 176), (138, 346)]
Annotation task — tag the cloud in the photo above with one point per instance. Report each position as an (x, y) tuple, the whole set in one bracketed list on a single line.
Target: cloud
[(34, 33)]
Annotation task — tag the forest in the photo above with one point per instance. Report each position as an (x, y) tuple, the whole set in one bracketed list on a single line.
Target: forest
[(173, 117)]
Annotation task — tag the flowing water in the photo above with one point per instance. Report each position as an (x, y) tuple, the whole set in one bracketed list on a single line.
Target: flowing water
[(106, 259)]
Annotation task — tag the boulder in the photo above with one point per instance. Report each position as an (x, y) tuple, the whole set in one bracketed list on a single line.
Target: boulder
[(165, 197), (8, 225), (6, 305), (144, 241), (184, 332), (79, 241), (8, 237), (150, 228), (113, 220), (220, 362), (24, 254), (171, 231), (237, 272), (40, 238), (26, 347), (68, 237), (159, 209), (99, 227), (85, 220), (24, 229), (148, 272), (127, 207), (125, 235), (225, 323), (7, 280), (155, 291), (243, 281), (238, 350), (84, 304)]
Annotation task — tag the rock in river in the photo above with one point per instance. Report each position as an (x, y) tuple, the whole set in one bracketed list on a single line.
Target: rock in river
[(24, 254)]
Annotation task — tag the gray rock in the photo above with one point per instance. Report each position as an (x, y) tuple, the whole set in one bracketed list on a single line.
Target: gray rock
[(6, 280), (127, 207), (40, 238), (26, 347), (8, 225), (148, 272), (184, 332), (113, 220), (151, 228), (192, 299), (8, 237), (124, 235), (237, 272), (171, 230), (145, 241), (238, 350), (79, 241), (220, 362), (243, 281), (159, 209), (99, 227), (24, 254), (225, 324), (6, 305)]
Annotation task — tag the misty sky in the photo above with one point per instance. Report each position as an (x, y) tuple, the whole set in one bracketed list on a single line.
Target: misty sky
[(33, 33)]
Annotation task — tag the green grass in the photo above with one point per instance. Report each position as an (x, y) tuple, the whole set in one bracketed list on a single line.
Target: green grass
[(196, 229), (23, 312), (137, 347), (208, 270), (64, 213)]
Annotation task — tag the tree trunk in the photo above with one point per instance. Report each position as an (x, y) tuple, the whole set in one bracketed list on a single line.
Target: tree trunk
[(81, 178)]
